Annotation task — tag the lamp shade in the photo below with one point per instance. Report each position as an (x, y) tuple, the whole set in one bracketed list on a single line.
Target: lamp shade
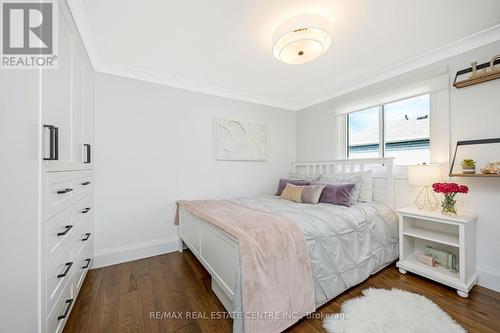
[(424, 175)]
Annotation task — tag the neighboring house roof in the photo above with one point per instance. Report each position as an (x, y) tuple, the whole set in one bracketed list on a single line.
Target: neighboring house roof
[(396, 130)]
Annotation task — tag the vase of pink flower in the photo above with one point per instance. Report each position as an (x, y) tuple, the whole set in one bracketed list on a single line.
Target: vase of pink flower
[(449, 191)]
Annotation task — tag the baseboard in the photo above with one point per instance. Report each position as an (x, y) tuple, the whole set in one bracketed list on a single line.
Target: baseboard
[(489, 278), (120, 254)]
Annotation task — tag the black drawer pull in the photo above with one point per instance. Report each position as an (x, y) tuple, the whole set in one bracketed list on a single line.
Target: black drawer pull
[(86, 210), (65, 314), (67, 229), (86, 183), (87, 264), (88, 158), (87, 236), (66, 190), (68, 267)]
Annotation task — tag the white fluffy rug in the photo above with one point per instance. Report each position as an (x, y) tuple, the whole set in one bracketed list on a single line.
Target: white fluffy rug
[(391, 311)]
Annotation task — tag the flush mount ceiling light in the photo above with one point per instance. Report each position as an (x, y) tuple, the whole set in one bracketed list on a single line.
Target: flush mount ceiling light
[(301, 39)]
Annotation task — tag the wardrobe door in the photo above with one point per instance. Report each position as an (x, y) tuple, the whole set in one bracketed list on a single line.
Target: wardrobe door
[(87, 112), (59, 118)]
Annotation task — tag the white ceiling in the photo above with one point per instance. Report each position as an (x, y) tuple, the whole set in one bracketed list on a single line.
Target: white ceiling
[(223, 47)]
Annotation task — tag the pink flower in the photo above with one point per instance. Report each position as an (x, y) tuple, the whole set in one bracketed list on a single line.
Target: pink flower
[(449, 188)]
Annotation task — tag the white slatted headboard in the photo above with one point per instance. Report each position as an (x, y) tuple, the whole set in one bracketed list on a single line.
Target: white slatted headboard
[(383, 181)]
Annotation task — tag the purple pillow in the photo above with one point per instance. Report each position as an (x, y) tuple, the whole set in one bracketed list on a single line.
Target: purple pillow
[(284, 181), (337, 194)]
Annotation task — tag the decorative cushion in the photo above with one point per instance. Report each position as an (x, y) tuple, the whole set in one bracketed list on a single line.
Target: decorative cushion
[(363, 190), (292, 193), (284, 181), (337, 194), (312, 193)]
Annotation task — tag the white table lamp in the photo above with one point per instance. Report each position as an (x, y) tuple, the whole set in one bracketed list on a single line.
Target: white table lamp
[(425, 175)]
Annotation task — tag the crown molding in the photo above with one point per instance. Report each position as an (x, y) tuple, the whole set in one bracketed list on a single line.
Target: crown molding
[(81, 14), (175, 82), (463, 45)]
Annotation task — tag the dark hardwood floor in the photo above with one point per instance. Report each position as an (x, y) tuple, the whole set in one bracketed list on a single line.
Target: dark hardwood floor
[(125, 297)]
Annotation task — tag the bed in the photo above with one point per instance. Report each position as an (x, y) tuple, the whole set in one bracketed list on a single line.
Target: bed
[(345, 245)]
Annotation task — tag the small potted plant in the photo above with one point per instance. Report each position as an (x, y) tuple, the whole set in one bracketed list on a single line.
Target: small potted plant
[(468, 166)]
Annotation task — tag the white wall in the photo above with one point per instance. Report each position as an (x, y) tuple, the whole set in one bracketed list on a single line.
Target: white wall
[(155, 145), (19, 201), (474, 113)]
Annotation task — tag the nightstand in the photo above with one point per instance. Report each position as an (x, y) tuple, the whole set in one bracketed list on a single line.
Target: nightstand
[(452, 234)]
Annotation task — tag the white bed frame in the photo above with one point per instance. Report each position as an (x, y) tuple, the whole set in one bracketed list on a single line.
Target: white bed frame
[(218, 252)]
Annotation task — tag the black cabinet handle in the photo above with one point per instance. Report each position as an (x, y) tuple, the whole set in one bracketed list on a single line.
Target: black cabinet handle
[(66, 190), (68, 267), (89, 149), (56, 143), (65, 314), (53, 143), (67, 229), (87, 264), (86, 183), (87, 236), (86, 210)]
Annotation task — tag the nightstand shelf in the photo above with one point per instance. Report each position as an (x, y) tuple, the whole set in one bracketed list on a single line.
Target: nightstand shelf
[(453, 234), (433, 235), (442, 272)]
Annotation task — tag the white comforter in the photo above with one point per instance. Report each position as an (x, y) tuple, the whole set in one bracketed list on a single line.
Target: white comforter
[(345, 245)]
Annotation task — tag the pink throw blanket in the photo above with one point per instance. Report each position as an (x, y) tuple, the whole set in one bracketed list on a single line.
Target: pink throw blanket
[(276, 281)]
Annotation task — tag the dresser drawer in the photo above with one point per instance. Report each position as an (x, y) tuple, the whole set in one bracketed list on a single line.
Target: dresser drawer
[(83, 234), (65, 188), (58, 275), (63, 231), (60, 313), (83, 263)]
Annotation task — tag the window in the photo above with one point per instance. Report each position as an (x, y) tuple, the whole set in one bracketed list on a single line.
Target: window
[(363, 133), (405, 133)]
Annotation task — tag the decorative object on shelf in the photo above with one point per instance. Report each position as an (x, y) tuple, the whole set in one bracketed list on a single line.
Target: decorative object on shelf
[(442, 258), (468, 166), (426, 260), (425, 175), (469, 143), (491, 168), (479, 73), (241, 141), (449, 191)]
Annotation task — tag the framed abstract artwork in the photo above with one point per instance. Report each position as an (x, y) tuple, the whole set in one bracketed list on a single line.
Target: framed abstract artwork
[(240, 141)]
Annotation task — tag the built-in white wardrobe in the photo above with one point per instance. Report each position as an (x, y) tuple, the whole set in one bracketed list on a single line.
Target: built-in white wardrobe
[(47, 129), (67, 103)]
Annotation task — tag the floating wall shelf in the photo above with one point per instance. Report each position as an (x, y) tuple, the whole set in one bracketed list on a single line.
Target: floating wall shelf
[(468, 143), (480, 76), (473, 175)]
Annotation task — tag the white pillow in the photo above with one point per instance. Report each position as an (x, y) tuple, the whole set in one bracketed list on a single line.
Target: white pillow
[(363, 189), (303, 177)]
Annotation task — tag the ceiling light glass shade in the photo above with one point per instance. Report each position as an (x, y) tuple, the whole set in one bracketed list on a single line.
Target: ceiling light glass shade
[(301, 39)]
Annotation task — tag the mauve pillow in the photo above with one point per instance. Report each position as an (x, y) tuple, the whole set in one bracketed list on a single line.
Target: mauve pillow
[(312, 193), (284, 181), (337, 194)]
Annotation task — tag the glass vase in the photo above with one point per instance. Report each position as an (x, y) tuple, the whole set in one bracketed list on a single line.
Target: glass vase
[(449, 205)]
